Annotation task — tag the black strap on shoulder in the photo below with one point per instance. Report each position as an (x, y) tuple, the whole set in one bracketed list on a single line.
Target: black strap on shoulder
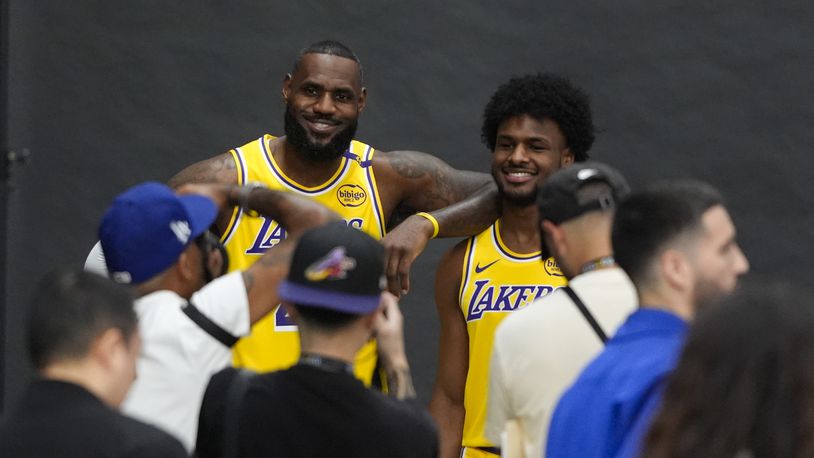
[(210, 327), (586, 313), (231, 418)]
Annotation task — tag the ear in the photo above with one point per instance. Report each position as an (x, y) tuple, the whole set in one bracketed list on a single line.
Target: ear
[(106, 345), (362, 100), (675, 270), (369, 320), (554, 237), (187, 268), (286, 91), (567, 157)]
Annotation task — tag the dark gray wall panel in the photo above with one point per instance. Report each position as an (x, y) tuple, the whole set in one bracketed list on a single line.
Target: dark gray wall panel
[(108, 94)]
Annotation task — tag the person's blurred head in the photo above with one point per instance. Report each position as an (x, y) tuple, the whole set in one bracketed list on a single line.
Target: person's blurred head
[(82, 323), (676, 240), (745, 383)]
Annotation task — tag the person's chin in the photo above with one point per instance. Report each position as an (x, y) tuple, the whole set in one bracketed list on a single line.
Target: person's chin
[(518, 197), (316, 142)]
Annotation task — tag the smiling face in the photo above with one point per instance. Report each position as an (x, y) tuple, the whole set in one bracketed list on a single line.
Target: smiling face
[(526, 152), (324, 98)]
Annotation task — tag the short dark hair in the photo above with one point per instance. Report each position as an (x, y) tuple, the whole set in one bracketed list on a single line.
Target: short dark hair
[(543, 95), (69, 309), (744, 380), (331, 48), (324, 319), (650, 219)]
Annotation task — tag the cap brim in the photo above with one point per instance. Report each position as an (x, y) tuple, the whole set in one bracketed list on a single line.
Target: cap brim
[(356, 304), (201, 210)]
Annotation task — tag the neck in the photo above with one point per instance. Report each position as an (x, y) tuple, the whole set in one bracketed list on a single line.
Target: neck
[(166, 282), (519, 228), (342, 345), (587, 242), (659, 299), (299, 168), (598, 263), (589, 249), (82, 373)]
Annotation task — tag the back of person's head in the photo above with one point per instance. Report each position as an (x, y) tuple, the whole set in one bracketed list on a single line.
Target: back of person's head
[(745, 382), (579, 199), (336, 276), (656, 218), (70, 309), (543, 96)]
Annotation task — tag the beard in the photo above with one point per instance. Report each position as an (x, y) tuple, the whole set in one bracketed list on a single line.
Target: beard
[(515, 198), (297, 136), (708, 293)]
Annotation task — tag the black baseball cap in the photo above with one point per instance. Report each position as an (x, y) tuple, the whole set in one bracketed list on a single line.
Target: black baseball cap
[(557, 199), (338, 268)]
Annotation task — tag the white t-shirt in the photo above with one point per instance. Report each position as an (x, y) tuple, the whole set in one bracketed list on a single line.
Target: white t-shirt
[(178, 358), (540, 350)]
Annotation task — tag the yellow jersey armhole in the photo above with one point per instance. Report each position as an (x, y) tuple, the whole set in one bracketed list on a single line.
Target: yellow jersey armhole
[(375, 190), (465, 268)]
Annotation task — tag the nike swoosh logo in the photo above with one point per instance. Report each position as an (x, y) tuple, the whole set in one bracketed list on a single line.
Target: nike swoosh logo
[(479, 269)]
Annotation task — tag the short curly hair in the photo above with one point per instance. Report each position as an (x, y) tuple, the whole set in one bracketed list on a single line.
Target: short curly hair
[(543, 95)]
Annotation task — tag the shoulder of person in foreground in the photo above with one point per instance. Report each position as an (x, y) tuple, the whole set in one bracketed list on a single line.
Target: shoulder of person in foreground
[(143, 440)]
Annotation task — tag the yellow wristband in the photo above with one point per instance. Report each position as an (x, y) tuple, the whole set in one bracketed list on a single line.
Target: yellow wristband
[(431, 219)]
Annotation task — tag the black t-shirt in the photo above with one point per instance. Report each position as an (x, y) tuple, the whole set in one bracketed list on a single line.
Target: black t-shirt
[(307, 411), (59, 419)]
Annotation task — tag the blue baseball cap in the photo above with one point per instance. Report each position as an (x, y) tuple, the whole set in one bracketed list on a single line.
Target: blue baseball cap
[(148, 226)]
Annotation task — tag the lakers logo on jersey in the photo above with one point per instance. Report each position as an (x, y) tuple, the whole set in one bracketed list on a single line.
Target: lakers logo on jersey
[(351, 195), (492, 298), (270, 234)]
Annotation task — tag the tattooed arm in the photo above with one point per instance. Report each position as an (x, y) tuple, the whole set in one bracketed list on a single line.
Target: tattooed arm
[(389, 326), (462, 202), (220, 169), (422, 182), (295, 213)]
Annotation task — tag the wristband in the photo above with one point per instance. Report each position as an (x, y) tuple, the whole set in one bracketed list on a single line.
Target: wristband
[(243, 197), (431, 219)]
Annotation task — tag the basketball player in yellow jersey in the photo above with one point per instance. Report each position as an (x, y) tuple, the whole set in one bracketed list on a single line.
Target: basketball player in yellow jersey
[(324, 96), (534, 125)]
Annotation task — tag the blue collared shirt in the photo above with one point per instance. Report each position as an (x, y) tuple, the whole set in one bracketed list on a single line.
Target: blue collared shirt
[(618, 391)]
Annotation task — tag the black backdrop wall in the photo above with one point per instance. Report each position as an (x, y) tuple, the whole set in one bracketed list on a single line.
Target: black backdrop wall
[(106, 94)]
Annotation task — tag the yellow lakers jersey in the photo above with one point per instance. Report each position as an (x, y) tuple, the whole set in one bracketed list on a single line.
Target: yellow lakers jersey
[(351, 192), (495, 281)]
